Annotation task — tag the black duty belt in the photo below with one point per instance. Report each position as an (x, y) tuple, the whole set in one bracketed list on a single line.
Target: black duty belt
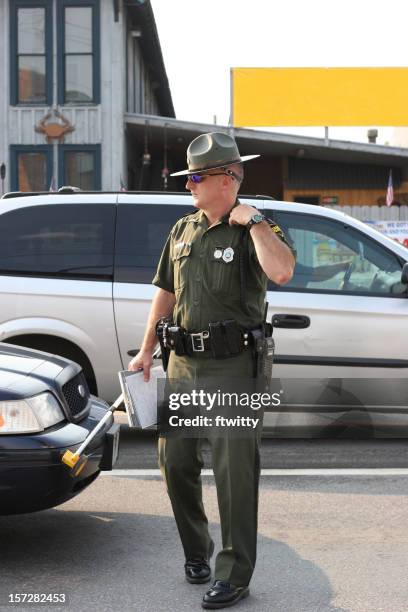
[(222, 339), (201, 342)]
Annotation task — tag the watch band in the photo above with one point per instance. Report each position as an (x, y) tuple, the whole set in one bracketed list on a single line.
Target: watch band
[(255, 219)]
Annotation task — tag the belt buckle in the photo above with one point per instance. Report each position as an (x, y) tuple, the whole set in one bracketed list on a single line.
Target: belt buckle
[(199, 336)]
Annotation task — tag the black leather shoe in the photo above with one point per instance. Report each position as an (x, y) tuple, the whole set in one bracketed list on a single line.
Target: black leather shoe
[(197, 569), (223, 595)]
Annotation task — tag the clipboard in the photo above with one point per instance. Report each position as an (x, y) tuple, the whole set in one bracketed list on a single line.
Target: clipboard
[(140, 397)]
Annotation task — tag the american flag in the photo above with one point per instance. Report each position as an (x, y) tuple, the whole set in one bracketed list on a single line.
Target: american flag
[(389, 198)]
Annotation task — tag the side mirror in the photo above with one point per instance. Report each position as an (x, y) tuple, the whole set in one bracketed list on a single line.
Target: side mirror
[(404, 274)]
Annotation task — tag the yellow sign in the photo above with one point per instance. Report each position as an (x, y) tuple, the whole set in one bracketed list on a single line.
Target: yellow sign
[(319, 96)]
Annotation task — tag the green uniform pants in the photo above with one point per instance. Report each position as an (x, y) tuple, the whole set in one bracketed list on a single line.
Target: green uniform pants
[(236, 468)]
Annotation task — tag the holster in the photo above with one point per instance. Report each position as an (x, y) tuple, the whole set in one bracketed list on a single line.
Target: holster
[(161, 333), (263, 347), (269, 352), (257, 342), (176, 338)]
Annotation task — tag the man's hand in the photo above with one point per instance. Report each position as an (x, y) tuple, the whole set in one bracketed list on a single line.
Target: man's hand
[(274, 256), (241, 214), (142, 361)]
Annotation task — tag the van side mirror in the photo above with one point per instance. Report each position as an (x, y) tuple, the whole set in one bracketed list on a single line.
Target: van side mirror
[(404, 274)]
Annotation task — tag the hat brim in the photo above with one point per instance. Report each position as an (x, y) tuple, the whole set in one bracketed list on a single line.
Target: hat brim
[(244, 158)]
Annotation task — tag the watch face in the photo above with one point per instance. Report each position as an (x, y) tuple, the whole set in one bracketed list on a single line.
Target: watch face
[(256, 218)]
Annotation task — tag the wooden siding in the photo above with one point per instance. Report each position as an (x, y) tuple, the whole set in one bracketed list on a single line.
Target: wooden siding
[(85, 119), (140, 95), (356, 197), (375, 213)]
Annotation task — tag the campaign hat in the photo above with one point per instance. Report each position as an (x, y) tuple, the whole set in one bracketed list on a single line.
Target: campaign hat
[(211, 151)]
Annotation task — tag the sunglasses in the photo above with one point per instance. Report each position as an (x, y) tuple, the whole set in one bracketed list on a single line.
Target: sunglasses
[(198, 178)]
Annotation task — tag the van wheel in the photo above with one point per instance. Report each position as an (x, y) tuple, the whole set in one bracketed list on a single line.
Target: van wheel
[(58, 346)]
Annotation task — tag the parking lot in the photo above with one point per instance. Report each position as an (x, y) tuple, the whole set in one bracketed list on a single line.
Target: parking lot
[(331, 542)]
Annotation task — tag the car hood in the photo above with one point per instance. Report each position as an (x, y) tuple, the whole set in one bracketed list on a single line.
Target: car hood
[(17, 363)]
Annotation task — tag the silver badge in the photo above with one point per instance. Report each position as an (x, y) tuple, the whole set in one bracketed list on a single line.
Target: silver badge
[(217, 253), (228, 255), (81, 390)]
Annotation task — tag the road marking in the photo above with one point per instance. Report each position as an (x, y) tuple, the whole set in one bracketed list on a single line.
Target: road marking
[(287, 472)]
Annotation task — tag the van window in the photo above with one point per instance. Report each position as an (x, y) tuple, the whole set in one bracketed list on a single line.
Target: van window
[(142, 231), (333, 257), (64, 240)]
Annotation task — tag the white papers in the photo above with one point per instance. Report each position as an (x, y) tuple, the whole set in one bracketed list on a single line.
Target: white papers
[(140, 397)]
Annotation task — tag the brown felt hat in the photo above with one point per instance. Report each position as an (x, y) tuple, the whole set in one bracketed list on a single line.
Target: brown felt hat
[(213, 150)]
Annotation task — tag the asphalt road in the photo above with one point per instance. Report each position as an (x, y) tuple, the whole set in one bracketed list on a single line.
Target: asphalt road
[(138, 450), (326, 543)]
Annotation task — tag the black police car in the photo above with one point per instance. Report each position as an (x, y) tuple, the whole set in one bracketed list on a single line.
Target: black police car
[(45, 409)]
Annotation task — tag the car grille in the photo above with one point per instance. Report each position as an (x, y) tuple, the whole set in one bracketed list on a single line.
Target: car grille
[(76, 403)]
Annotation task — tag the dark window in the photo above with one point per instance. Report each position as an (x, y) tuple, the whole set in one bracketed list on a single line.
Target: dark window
[(32, 171), (315, 175), (306, 199), (137, 78), (80, 169), (333, 257), (80, 166), (62, 240), (142, 231), (31, 52), (31, 167), (79, 51), (78, 54)]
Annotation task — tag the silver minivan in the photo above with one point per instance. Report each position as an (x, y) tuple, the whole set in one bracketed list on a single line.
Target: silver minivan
[(76, 273)]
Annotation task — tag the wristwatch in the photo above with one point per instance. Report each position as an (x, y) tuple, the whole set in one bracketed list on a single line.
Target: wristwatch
[(256, 218)]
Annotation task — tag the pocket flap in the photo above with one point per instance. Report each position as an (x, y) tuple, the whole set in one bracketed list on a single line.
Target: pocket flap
[(181, 249)]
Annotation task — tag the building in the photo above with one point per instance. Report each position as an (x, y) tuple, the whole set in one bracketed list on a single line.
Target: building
[(71, 71), (399, 137), (85, 101), (292, 168)]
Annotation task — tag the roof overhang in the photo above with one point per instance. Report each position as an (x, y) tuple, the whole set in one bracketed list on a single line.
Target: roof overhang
[(272, 143)]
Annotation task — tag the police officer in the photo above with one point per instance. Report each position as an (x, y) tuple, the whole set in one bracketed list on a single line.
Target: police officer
[(199, 282)]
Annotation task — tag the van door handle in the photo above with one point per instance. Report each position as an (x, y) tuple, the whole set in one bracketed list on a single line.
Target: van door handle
[(289, 321)]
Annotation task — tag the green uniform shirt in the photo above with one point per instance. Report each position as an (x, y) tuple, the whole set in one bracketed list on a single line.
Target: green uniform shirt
[(201, 266)]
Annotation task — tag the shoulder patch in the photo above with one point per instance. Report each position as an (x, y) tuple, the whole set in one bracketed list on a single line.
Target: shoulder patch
[(275, 228)]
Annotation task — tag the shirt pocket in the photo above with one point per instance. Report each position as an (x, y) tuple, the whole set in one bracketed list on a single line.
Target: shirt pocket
[(181, 264), (225, 279)]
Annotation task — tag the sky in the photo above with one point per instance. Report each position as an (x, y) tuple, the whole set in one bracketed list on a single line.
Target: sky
[(201, 41)]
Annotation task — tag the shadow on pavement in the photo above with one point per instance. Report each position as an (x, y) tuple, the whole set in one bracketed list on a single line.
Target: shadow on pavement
[(121, 561)]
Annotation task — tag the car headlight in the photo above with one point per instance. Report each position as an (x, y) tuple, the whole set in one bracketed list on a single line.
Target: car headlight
[(30, 415)]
